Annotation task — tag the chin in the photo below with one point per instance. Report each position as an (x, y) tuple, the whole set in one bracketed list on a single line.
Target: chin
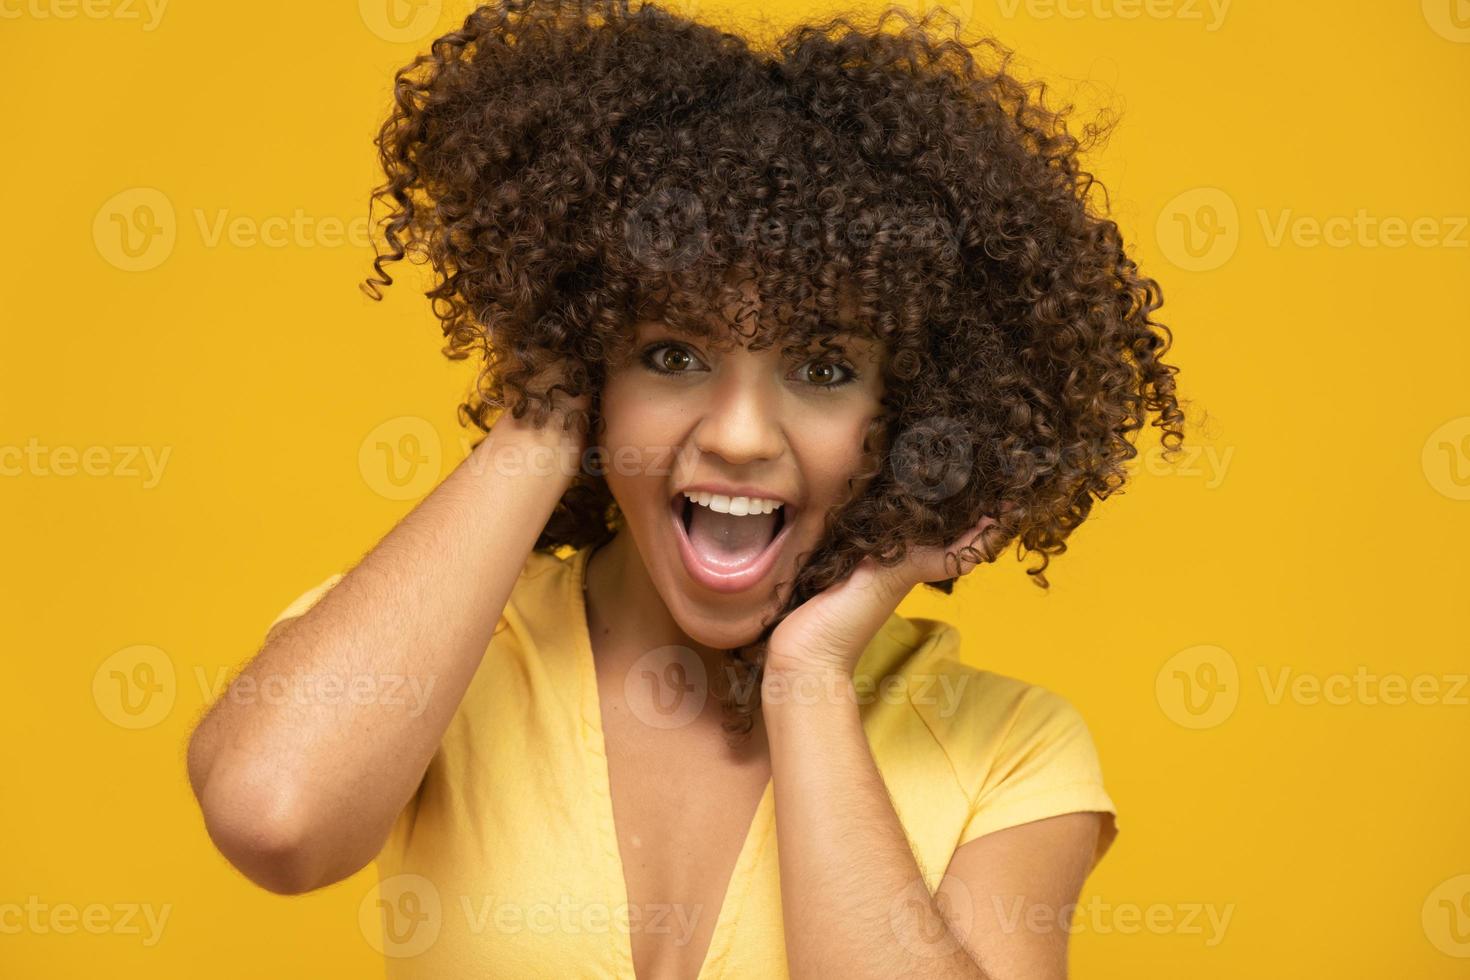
[(720, 631)]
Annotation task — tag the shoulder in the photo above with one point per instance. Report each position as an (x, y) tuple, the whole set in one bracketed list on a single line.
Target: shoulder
[(969, 710), (980, 717), (1019, 751), (546, 596)]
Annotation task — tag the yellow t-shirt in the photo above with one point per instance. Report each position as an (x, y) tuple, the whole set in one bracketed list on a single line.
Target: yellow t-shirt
[(506, 862)]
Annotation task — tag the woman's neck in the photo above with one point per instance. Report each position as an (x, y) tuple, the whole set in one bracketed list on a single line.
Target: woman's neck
[(626, 616), (624, 609)]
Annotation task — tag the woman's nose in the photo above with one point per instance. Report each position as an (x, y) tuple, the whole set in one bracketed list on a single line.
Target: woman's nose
[(741, 422)]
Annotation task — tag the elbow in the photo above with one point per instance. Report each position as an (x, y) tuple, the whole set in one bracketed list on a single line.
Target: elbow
[(264, 833)]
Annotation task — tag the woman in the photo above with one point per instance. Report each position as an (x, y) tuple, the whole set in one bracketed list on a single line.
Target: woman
[(770, 338)]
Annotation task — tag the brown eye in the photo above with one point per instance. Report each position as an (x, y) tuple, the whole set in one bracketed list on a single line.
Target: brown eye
[(668, 358), (828, 374), (674, 359)]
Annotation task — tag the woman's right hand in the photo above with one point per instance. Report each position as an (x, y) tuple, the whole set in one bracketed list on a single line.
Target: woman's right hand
[(560, 439)]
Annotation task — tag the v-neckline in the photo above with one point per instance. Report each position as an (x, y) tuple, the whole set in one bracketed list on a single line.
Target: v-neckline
[(594, 741)]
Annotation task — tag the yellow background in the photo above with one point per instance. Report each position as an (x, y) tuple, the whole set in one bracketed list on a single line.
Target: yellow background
[(1320, 532)]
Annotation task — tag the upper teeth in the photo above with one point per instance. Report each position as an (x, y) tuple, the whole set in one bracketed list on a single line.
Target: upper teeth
[(739, 506)]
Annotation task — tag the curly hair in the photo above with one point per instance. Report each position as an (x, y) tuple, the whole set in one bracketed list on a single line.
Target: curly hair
[(572, 168)]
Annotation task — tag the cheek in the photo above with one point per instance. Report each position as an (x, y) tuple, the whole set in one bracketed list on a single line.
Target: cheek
[(639, 444), (831, 451)]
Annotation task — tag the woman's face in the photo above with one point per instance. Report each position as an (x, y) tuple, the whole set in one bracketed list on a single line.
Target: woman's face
[(732, 423)]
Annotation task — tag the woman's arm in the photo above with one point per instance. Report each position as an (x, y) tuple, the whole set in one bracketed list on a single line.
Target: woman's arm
[(854, 901), (300, 795)]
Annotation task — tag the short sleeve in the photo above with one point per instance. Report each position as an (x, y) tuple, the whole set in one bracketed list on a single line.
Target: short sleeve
[(1046, 765), (306, 600)]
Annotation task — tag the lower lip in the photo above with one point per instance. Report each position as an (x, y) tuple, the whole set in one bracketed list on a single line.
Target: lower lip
[(734, 579)]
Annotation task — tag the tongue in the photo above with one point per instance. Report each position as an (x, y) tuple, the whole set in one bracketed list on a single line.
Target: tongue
[(724, 539)]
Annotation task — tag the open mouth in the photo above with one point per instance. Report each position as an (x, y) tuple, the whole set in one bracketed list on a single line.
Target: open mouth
[(725, 550)]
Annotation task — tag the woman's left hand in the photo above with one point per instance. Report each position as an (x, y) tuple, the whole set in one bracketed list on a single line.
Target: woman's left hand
[(829, 632)]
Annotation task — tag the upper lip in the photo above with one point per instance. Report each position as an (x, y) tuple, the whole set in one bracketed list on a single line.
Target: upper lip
[(726, 490)]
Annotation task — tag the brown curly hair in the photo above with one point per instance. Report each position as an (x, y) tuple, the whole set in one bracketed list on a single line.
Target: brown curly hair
[(572, 168)]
